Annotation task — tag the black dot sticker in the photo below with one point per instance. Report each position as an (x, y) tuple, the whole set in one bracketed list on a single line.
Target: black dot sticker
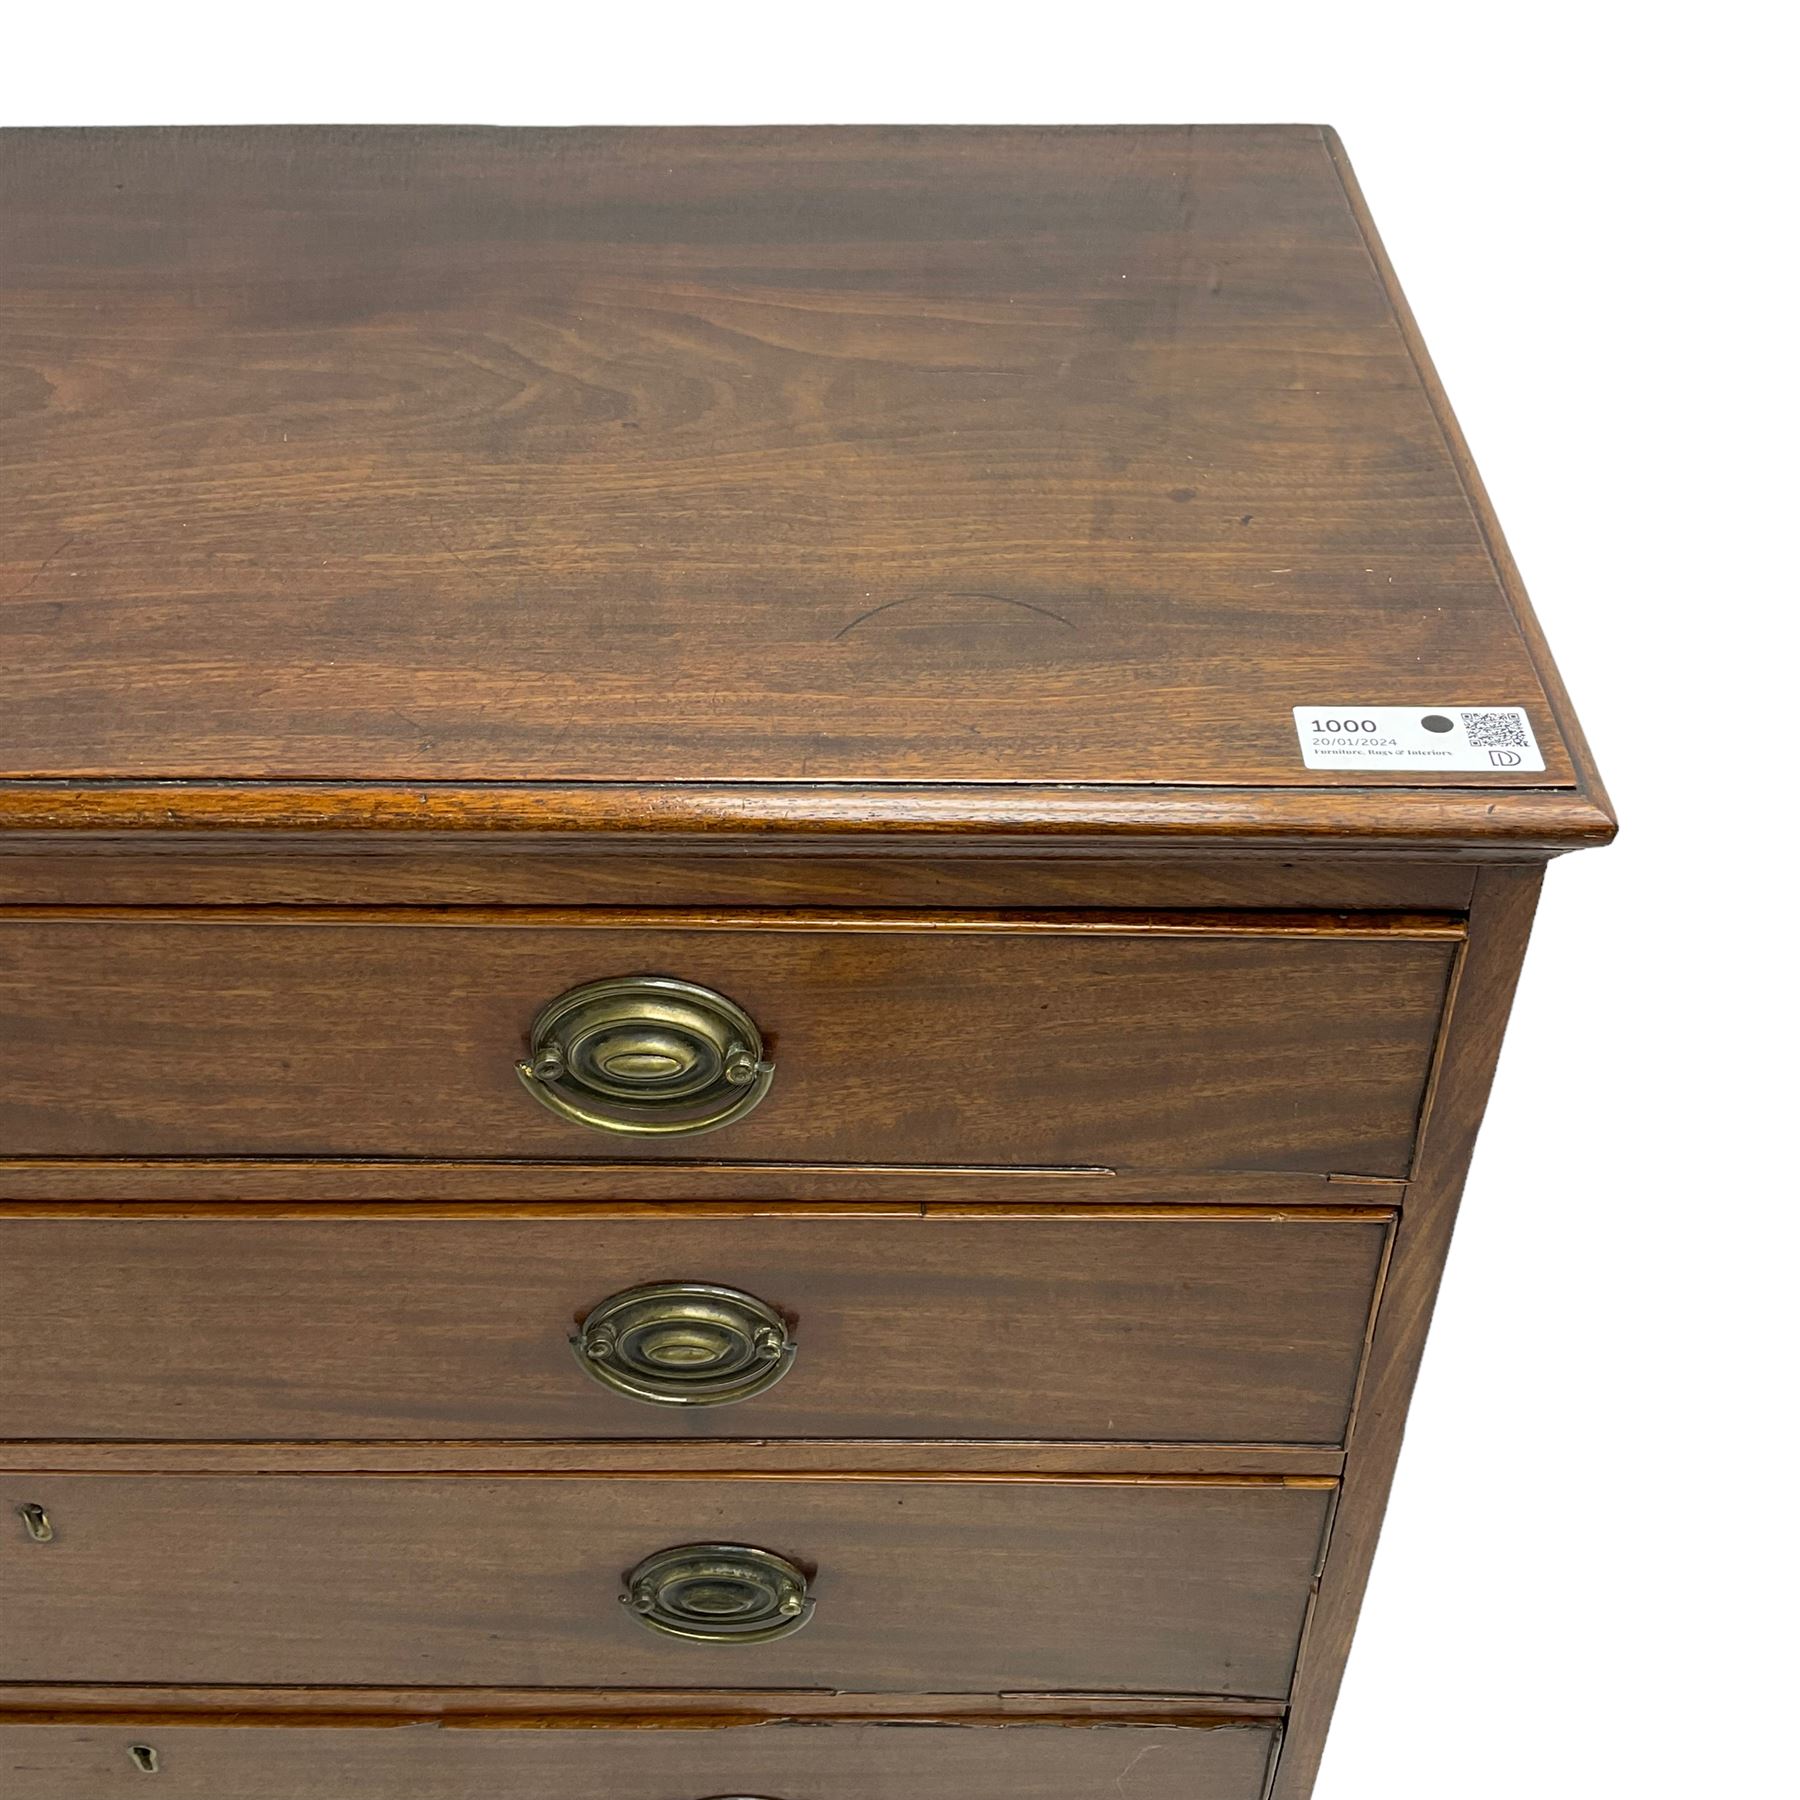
[(1437, 722)]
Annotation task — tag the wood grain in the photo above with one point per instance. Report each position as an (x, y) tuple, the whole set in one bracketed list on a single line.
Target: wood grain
[(1568, 726), (76, 1702), (1499, 926), (1152, 1050), (1222, 1330), (1473, 823), (193, 1187), (1117, 1460), (403, 1760), (376, 870), (429, 558), (1188, 1588), (854, 455)]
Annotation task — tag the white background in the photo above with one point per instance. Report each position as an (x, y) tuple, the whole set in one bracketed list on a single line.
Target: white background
[(1585, 1587)]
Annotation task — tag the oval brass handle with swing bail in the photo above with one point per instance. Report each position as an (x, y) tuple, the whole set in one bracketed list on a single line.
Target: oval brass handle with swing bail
[(685, 1343), (718, 1594), (646, 1056)]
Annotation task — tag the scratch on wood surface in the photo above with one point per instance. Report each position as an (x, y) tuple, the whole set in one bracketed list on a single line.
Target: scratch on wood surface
[(36, 574), (1029, 606), (1125, 1773)]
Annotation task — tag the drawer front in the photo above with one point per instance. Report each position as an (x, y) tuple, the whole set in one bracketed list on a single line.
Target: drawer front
[(417, 1761), (1149, 1047), (1228, 1330), (915, 1585)]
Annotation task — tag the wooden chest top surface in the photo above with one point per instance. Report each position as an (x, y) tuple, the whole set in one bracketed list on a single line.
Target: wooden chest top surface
[(490, 472)]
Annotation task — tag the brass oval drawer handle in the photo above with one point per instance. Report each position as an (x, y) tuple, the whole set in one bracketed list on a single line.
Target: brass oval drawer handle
[(718, 1594), (685, 1343), (37, 1523), (647, 1056)]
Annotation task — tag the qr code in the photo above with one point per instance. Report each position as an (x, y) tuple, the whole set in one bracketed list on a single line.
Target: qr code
[(1496, 730)]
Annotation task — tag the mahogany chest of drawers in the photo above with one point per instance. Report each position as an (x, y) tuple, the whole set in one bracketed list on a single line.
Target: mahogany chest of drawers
[(756, 889)]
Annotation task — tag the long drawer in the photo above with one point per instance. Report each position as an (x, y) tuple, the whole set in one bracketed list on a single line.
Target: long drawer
[(1194, 1327), (377, 1760), (903, 1585), (1154, 1044)]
